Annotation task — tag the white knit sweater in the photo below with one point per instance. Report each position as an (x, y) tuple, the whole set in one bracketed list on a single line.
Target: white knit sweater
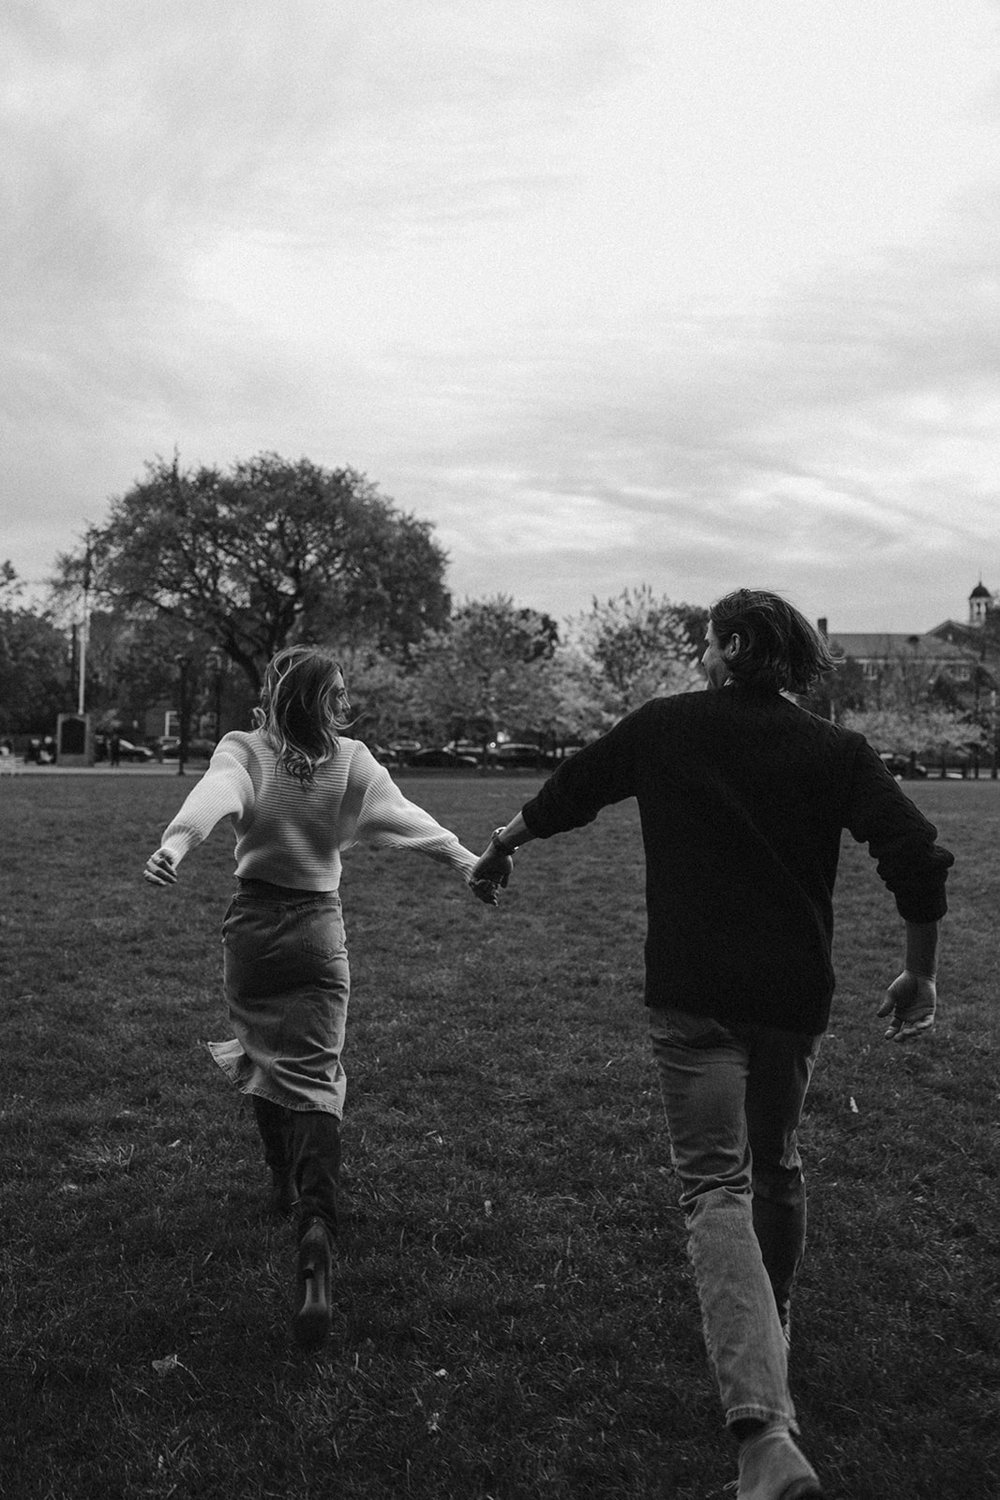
[(292, 834)]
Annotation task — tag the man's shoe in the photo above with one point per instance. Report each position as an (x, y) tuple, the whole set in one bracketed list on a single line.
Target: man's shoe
[(311, 1320), (772, 1468)]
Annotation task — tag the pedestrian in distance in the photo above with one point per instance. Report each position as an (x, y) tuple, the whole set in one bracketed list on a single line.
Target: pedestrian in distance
[(743, 796), (298, 792)]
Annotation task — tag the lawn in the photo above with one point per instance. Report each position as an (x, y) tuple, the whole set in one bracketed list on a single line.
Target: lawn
[(516, 1314)]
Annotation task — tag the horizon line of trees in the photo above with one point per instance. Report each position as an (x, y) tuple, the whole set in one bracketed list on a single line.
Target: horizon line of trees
[(217, 570)]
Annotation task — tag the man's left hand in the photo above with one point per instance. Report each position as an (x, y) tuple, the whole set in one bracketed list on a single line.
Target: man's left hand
[(911, 1001)]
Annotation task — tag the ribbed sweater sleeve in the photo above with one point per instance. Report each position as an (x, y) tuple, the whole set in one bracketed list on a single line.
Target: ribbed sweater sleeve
[(388, 820), (225, 790), (292, 834)]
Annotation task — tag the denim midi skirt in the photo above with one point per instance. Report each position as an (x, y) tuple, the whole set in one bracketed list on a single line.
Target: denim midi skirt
[(287, 985)]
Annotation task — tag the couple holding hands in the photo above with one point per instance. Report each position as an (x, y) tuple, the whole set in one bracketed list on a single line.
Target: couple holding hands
[(743, 797)]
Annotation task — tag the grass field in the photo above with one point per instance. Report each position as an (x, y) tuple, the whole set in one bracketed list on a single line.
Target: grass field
[(516, 1314)]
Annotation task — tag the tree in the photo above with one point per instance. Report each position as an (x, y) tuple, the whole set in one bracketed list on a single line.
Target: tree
[(839, 692), (34, 663), (132, 666), (488, 669), (381, 693), (630, 649), (10, 584), (267, 554), (923, 730)]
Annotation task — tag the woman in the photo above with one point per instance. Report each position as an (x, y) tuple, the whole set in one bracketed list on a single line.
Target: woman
[(298, 792)]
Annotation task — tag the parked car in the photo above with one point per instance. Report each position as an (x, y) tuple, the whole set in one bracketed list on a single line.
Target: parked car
[(403, 749), (471, 747), (904, 766), (169, 748), (518, 756), (138, 754), (442, 759)]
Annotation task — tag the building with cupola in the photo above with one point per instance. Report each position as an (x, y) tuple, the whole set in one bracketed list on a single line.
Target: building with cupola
[(984, 610), (964, 654)]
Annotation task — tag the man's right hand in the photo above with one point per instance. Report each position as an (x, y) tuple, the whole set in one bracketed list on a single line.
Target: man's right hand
[(493, 866), (911, 1001)]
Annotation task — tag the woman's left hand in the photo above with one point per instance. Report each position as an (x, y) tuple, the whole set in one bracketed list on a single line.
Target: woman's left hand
[(493, 866), (487, 891)]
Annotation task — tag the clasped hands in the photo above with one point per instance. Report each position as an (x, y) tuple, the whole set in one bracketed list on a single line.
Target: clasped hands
[(490, 873)]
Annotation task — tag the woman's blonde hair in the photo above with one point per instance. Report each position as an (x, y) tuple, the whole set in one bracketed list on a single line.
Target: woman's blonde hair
[(301, 710)]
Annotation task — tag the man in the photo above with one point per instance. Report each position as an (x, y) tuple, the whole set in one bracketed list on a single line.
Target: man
[(743, 797)]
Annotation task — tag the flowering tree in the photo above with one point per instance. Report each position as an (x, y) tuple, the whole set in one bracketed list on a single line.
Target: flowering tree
[(487, 669), (381, 693), (625, 651), (924, 730)]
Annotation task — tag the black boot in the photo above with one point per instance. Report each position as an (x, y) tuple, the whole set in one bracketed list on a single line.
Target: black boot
[(275, 1126), (315, 1158), (316, 1169), (313, 1276)]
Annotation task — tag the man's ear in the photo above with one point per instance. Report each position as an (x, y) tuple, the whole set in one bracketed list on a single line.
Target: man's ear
[(732, 648)]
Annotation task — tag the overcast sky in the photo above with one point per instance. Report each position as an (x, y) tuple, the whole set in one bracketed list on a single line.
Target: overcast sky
[(686, 294)]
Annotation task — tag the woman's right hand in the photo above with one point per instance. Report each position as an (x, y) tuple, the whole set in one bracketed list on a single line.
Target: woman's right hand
[(160, 868)]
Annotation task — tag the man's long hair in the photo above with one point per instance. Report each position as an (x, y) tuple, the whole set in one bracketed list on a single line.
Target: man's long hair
[(779, 649), (298, 714)]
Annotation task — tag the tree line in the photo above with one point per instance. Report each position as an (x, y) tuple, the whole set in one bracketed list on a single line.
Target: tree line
[(218, 569)]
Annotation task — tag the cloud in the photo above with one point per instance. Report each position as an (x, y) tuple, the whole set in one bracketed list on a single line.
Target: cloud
[(611, 296), (154, 157), (839, 437)]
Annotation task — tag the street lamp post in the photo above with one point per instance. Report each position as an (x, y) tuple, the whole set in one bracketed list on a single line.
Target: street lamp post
[(81, 691), (183, 669), (216, 663)]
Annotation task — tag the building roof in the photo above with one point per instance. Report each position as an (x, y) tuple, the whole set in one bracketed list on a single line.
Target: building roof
[(887, 646), (980, 591), (958, 630)]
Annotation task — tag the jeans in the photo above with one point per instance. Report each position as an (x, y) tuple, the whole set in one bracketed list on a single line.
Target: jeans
[(733, 1096)]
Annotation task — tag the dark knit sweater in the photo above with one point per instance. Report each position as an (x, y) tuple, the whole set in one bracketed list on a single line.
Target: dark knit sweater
[(743, 797)]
